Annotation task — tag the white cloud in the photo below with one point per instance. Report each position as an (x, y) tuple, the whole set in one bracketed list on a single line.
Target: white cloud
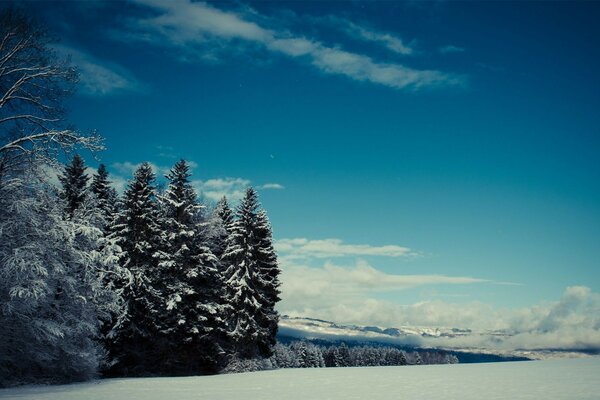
[(190, 24), (122, 173), (361, 278), (99, 77), (119, 183), (451, 49), (343, 295), (270, 186), (388, 40), (233, 188), (363, 68), (215, 189), (127, 168), (324, 248), (211, 189), (166, 152)]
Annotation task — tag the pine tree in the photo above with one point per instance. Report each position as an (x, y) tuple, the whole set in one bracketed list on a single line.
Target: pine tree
[(251, 275), (218, 228), (266, 262), (192, 286), (74, 184), (106, 196), (224, 212), (136, 229)]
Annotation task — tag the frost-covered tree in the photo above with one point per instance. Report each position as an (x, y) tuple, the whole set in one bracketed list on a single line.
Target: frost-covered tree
[(190, 280), (106, 196), (225, 213), (268, 269), (307, 355), (337, 356), (394, 356), (284, 357), (416, 359), (219, 224), (52, 292), (34, 82), (137, 230), (252, 284), (74, 185)]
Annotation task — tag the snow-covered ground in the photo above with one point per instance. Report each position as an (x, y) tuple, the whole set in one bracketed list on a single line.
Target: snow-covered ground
[(552, 379)]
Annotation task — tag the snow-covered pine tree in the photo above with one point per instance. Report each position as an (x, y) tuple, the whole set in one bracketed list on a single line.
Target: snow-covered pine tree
[(219, 226), (74, 185), (51, 291), (252, 283), (266, 262), (133, 343), (106, 196), (224, 211), (193, 288), (343, 359), (395, 357), (307, 354)]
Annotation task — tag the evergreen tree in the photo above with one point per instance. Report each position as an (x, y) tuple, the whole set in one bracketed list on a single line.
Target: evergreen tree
[(219, 226), (307, 355), (136, 229), (74, 184), (52, 294), (190, 280), (106, 196), (224, 212), (266, 262), (251, 275), (343, 359)]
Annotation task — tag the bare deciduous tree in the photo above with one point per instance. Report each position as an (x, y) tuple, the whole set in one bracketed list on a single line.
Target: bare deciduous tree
[(34, 83)]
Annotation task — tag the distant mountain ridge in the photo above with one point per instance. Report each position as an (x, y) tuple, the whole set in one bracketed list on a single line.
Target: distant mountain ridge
[(465, 343)]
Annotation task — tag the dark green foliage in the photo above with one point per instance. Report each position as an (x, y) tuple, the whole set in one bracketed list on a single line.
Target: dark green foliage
[(251, 276), (190, 281), (106, 196), (133, 342), (74, 185)]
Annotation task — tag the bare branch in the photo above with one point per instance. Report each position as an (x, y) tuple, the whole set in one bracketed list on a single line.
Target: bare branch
[(33, 84), (28, 117)]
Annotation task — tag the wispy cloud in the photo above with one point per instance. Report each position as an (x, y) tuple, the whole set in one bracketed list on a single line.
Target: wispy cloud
[(451, 49), (327, 248), (189, 25), (271, 186), (388, 40), (99, 77), (166, 152), (358, 279), (344, 293)]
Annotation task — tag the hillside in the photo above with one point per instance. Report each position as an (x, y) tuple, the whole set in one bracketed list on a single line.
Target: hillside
[(469, 345)]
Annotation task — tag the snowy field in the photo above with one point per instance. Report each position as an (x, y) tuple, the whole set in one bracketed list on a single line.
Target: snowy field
[(553, 379)]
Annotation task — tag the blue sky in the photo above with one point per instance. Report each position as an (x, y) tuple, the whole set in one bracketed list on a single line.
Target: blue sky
[(462, 136)]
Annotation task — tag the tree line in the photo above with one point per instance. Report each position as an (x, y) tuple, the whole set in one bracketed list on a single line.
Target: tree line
[(304, 354), (150, 282)]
